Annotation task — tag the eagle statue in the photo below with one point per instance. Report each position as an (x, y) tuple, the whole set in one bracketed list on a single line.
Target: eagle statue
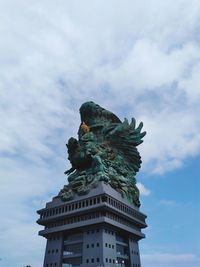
[(105, 151)]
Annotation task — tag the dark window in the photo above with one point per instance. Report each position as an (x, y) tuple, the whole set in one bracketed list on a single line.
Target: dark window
[(92, 260), (109, 245), (106, 244), (48, 251), (90, 201), (56, 250), (86, 202), (87, 261), (52, 250), (98, 200), (97, 244), (94, 200), (110, 260), (92, 245), (97, 229), (87, 245), (79, 205), (113, 261), (106, 259), (97, 259), (55, 264), (88, 232), (92, 231), (104, 198), (112, 246)]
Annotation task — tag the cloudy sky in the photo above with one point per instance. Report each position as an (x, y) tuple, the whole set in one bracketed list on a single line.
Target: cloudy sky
[(136, 58)]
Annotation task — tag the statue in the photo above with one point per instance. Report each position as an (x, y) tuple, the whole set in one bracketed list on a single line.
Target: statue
[(105, 151)]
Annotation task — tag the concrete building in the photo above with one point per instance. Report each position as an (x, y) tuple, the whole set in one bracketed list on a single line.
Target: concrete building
[(93, 230)]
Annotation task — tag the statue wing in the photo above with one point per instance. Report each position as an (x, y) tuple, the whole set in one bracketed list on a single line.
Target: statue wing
[(124, 138)]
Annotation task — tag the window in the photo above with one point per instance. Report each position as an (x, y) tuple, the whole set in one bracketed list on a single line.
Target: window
[(92, 260), (97, 259), (87, 261), (113, 246), (55, 264), (92, 245), (87, 245), (48, 251), (56, 250), (106, 244), (110, 260), (97, 244), (72, 249), (113, 261), (72, 262), (109, 245), (97, 230), (106, 259)]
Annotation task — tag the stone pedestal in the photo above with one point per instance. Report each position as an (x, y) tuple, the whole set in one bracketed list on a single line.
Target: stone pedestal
[(97, 229)]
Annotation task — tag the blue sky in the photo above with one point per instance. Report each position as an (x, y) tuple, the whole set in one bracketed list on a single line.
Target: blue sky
[(136, 58)]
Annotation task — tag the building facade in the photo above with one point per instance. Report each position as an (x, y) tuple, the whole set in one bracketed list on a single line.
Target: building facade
[(100, 229)]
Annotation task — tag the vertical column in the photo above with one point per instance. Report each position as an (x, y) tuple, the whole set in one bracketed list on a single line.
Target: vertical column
[(109, 247), (134, 252), (92, 248), (53, 253)]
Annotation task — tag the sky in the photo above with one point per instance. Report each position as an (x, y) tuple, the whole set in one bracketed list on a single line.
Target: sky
[(137, 58)]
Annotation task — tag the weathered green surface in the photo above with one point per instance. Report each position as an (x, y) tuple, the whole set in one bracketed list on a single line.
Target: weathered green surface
[(105, 151)]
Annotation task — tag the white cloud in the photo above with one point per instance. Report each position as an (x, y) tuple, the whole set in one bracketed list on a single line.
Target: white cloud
[(170, 259), (136, 58), (143, 190)]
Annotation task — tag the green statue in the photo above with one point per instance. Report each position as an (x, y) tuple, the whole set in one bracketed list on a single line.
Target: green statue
[(105, 151)]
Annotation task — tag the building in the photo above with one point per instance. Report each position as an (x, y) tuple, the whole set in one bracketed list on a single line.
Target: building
[(93, 230)]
